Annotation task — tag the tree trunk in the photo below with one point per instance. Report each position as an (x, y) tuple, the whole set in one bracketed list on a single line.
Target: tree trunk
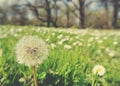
[(82, 13), (56, 12), (68, 18), (48, 10), (107, 15), (115, 13)]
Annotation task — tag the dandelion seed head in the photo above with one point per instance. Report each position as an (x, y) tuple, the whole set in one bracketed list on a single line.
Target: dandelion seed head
[(31, 50)]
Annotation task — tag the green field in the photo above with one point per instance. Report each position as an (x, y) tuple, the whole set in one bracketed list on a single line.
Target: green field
[(72, 56)]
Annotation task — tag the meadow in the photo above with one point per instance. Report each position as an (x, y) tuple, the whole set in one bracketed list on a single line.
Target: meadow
[(72, 56)]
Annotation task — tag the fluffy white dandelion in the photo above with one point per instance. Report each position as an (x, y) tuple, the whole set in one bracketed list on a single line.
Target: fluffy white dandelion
[(99, 70), (31, 51)]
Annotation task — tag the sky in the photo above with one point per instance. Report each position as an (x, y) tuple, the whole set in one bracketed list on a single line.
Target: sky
[(10, 2)]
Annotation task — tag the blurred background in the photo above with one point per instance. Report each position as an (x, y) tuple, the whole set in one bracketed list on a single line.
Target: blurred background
[(103, 14)]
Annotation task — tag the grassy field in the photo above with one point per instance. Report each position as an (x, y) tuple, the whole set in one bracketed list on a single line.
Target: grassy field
[(72, 56)]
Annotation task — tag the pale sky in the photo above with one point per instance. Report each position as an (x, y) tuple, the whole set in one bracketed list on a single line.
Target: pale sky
[(10, 2)]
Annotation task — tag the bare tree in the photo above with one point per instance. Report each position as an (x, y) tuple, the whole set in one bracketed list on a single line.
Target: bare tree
[(19, 14), (47, 17), (80, 5), (3, 15), (116, 5), (82, 13), (56, 9)]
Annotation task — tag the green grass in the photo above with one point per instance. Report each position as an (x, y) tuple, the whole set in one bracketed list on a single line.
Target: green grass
[(65, 66)]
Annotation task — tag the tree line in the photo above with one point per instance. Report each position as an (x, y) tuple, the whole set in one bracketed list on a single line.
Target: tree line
[(63, 13)]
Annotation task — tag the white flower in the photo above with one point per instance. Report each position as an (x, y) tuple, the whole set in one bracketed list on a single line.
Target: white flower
[(67, 47), (19, 30), (105, 38), (115, 43), (77, 37), (88, 44), (80, 44), (47, 39), (99, 70), (53, 46), (31, 50), (76, 43), (60, 43), (60, 36), (111, 54), (15, 34), (91, 39), (53, 34), (97, 38), (100, 41), (107, 49)]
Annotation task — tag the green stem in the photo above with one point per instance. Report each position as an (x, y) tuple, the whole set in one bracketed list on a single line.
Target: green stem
[(35, 78), (93, 80)]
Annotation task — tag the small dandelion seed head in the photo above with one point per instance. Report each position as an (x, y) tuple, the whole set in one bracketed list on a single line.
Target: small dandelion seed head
[(31, 51)]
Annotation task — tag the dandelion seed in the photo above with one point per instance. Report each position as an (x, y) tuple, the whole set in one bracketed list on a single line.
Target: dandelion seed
[(99, 70)]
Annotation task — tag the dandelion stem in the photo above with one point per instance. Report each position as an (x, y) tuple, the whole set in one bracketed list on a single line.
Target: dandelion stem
[(35, 78)]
